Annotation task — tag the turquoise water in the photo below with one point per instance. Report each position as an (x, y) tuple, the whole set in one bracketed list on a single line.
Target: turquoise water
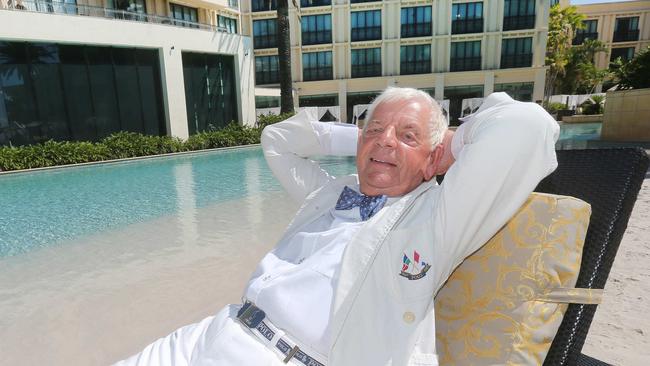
[(49, 207), (580, 131)]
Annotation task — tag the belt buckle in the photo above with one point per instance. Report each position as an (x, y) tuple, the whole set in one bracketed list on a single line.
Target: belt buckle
[(250, 315)]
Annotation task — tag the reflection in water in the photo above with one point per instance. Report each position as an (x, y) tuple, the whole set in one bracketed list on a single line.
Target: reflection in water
[(186, 200)]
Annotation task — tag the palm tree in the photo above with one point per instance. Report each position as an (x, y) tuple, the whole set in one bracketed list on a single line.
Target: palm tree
[(284, 55), (562, 24)]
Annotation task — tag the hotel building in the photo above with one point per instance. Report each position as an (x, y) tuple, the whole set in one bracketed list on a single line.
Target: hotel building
[(624, 27), (81, 70), (344, 52)]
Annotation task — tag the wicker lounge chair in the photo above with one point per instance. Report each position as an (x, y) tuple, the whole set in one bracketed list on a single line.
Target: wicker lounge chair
[(608, 179)]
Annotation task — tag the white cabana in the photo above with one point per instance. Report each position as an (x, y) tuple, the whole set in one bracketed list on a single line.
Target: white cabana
[(470, 106)]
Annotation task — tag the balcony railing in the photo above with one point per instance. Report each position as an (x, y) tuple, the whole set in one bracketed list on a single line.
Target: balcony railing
[(266, 41), (416, 30), (465, 64), (316, 37), (56, 7), (580, 38), (626, 35), (519, 22), (366, 33), (363, 1), (416, 67), (317, 73), (520, 60), (267, 77), (467, 26), (264, 5), (364, 71)]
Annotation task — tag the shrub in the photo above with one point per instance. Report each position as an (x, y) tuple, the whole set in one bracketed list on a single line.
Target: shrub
[(553, 107), (129, 144), (594, 105), (269, 119)]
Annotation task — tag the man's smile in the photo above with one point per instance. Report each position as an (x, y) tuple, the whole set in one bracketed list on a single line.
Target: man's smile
[(383, 162)]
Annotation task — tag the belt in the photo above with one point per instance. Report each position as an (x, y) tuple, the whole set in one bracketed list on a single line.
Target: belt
[(254, 319)]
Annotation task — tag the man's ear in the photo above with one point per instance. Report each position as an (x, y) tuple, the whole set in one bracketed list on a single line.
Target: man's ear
[(435, 158)]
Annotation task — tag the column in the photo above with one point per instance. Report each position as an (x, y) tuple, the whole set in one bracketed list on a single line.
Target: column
[(174, 91)]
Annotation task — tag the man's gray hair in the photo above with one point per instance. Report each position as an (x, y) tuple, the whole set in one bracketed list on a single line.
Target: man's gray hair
[(437, 121)]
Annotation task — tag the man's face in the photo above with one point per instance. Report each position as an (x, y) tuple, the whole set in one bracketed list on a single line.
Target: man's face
[(394, 153)]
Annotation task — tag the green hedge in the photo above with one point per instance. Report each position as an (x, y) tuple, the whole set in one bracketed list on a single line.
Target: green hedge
[(127, 145)]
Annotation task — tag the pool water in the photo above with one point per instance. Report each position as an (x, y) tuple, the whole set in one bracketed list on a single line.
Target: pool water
[(44, 208)]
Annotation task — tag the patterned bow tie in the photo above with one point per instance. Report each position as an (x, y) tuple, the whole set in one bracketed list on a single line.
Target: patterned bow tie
[(368, 205)]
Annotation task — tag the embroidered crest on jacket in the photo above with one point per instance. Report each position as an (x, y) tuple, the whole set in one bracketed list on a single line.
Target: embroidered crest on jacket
[(414, 269)]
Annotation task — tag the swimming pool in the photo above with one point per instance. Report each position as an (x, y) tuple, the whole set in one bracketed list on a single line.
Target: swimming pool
[(45, 208)]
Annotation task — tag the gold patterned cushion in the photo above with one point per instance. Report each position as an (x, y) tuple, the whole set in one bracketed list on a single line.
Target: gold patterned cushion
[(504, 303)]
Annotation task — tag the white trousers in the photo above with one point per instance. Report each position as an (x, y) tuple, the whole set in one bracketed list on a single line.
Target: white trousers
[(216, 340)]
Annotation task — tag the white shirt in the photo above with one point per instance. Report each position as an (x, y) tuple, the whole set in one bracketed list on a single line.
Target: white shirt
[(296, 295)]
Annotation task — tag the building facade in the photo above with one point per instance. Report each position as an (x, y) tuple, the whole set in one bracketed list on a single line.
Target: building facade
[(344, 52), (83, 70), (624, 27)]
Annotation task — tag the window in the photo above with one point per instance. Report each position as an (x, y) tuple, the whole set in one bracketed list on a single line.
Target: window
[(262, 101), (77, 93), (184, 15), (128, 9), (316, 29), (465, 56), (518, 14), (227, 24), (522, 92), (326, 100), (210, 94), (366, 25), (308, 3), (626, 29), (317, 66), (589, 32), (467, 18), (516, 52), (267, 70), (416, 22), (625, 53), (415, 59), (265, 33), (264, 5), (366, 62)]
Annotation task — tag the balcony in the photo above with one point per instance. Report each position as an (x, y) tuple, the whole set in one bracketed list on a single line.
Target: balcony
[(464, 26), (465, 64), (364, 71), (363, 1), (310, 3), (316, 37), (267, 77), (628, 35), (513, 61), (265, 41), (317, 73), (580, 38), (416, 30), (55, 7), (519, 22), (264, 5), (366, 33), (416, 67)]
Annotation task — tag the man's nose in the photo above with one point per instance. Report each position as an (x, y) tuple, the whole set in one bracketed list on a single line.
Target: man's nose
[(388, 138)]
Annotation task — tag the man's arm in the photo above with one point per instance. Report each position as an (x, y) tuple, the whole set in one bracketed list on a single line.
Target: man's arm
[(501, 153), (288, 145)]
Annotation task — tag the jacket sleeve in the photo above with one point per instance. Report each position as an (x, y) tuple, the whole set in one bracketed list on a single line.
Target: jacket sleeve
[(288, 146), (502, 152)]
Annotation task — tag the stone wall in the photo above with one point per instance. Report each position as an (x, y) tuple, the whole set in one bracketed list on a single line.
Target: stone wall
[(627, 116)]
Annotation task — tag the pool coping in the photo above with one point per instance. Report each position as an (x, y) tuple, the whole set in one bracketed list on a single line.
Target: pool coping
[(136, 158)]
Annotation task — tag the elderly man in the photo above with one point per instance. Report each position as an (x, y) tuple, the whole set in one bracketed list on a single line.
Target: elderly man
[(352, 280)]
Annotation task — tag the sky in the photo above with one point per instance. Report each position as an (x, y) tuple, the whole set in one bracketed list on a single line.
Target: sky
[(582, 2)]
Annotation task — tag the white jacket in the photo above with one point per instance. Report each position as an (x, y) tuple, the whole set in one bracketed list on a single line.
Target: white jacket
[(379, 316)]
